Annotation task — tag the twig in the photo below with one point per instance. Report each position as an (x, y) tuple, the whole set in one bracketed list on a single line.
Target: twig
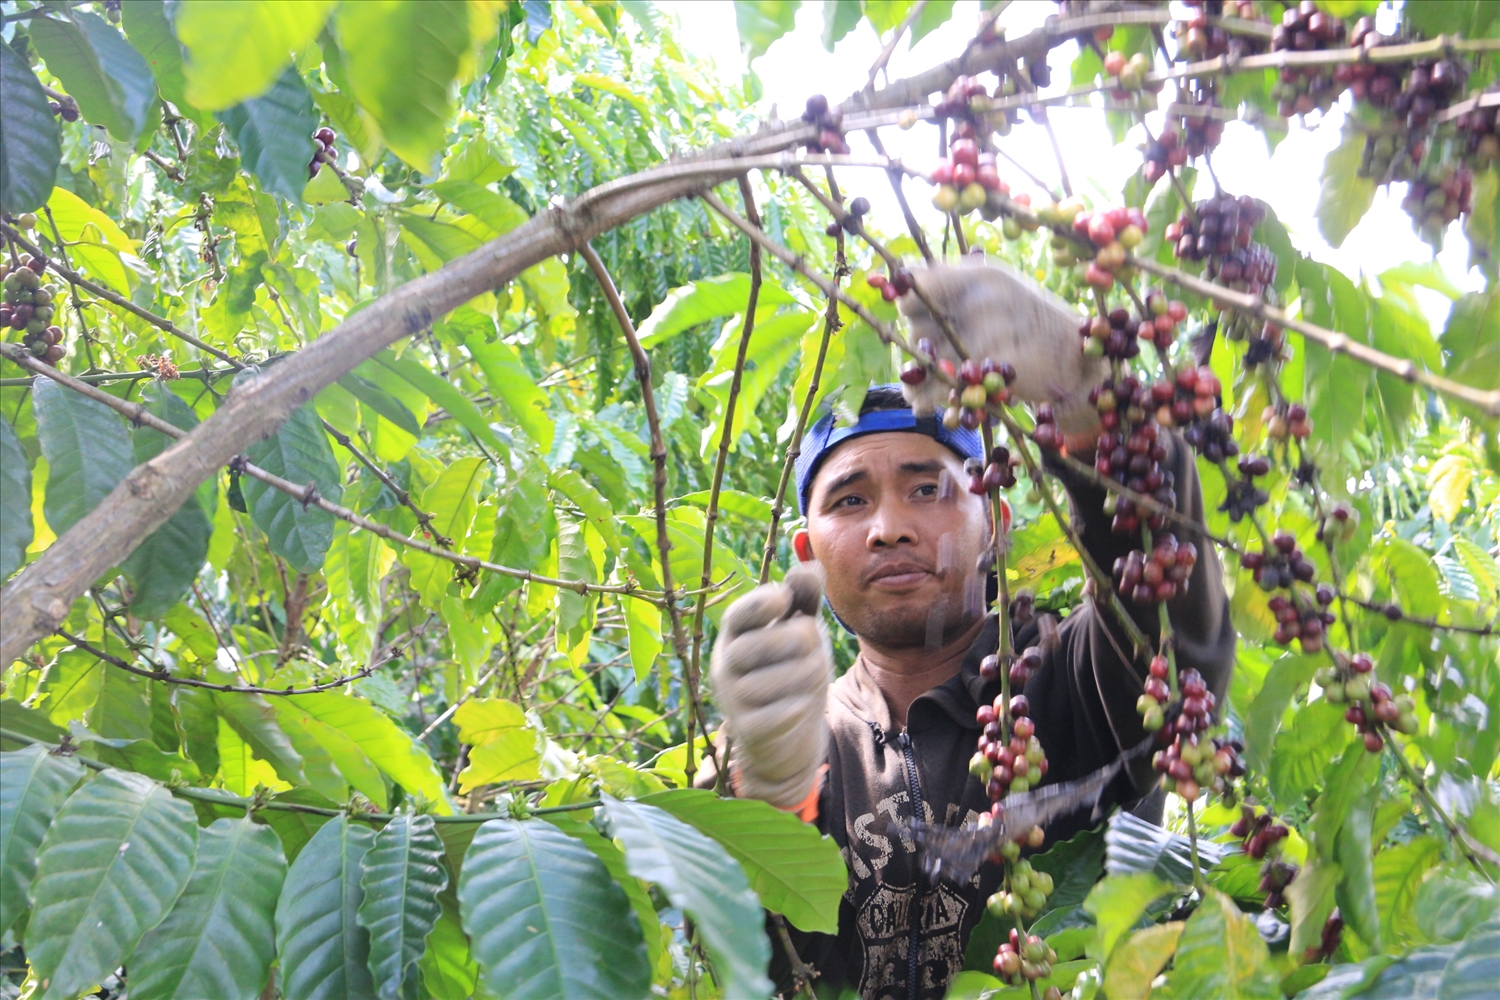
[(726, 438), (1062, 167), (99, 378), (658, 445), (74, 278), (402, 496), (308, 494), (890, 46), (83, 325), (1337, 343), (1199, 882), (162, 675), (1454, 830), (802, 974), (894, 175), (168, 167)]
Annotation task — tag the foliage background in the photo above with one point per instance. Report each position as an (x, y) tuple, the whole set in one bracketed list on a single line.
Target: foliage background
[(516, 423)]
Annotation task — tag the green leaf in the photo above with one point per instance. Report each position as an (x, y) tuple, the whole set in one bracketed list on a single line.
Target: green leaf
[(445, 395), (1301, 752), (700, 880), (1263, 718), (274, 134), (1398, 872), (323, 951), (545, 918), (392, 748), (502, 745), (1356, 890), (403, 875), (298, 451), (1311, 898), (1344, 196), (99, 69), (1474, 969), (1452, 901), (30, 141), (793, 869), (448, 970), (1133, 846), (451, 500), (150, 32), (936, 14), (163, 566), (114, 861), (1221, 955), (510, 382), (1470, 18), (575, 826), (762, 22), (1346, 780), (254, 720), (739, 502), (382, 402), (703, 300), (87, 449), (1116, 904), (839, 18), (401, 57), (236, 51), (1133, 965), (33, 785), (643, 628), (1471, 339), (600, 514), (220, 938), (16, 528), (353, 765)]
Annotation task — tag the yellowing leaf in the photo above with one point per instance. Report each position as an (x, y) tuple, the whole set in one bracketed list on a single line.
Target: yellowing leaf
[(94, 241), (1448, 485), (502, 743), (236, 50), (1133, 965)]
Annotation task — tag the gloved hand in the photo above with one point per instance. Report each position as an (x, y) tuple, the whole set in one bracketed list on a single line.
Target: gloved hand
[(1000, 314), (771, 669)]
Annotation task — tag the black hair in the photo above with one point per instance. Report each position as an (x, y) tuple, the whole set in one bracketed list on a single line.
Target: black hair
[(883, 397)]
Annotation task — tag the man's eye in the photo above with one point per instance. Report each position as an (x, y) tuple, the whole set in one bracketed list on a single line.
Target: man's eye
[(849, 501), (927, 490)]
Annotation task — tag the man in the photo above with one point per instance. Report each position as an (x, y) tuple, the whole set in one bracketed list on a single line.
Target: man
[(898, 539)]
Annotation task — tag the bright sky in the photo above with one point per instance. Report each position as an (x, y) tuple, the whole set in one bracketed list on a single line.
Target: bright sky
[(797, 66)]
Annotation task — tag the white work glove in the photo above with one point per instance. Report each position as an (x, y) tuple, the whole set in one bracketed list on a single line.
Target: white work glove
[(1000, 314), (771, 669)]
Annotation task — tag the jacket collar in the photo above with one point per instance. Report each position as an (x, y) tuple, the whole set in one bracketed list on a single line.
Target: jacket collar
[(957, 698)]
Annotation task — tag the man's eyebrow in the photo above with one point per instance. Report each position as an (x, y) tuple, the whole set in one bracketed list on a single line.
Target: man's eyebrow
[(931, 467), (846, 480)]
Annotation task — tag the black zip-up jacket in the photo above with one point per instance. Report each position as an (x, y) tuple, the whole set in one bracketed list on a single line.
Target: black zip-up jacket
[(900, 937)]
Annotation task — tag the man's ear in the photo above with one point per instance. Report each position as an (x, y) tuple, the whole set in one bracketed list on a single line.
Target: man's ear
[(802, 545)]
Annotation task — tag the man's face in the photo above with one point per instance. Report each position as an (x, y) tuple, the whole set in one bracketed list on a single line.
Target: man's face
[(899, 537)]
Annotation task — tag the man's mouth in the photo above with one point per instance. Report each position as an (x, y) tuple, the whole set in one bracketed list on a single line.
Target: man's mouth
[(898, 576)]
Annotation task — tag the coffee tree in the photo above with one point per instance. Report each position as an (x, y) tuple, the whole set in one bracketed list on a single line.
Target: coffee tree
[(396, 393)]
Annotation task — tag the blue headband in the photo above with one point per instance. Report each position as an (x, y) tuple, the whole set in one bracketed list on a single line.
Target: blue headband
[(826, 435)]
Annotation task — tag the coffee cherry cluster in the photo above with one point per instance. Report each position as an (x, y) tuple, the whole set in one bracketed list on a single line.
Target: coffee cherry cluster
[(1163, 153), (1297, 616), (1162, 575), (1023, 667), (1388, 158), (893, 288), (852, 221), (1302, 89), (967, 178), (326, 151), (1152, 705), (1027, 893), (1338, 525), (1202, 127), (1264, 342), (66, 110), (1130, 449), (830, 124), (1480, 129), (999, 474), (1328, 940), (28, 306), (1192, 762), (1371, 704), (981, 382), (1005, 766), (1221, 235), (1114, 233), (1286, 420), (1440, 195), (1197, 40), (1242, 496), (1261, 837), (1129, 73), (1024, 959)]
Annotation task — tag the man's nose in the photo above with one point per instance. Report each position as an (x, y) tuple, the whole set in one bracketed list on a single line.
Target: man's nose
[(890, 528)]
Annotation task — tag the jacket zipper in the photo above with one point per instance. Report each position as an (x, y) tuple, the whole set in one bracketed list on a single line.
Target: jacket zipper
[(915, 788)]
